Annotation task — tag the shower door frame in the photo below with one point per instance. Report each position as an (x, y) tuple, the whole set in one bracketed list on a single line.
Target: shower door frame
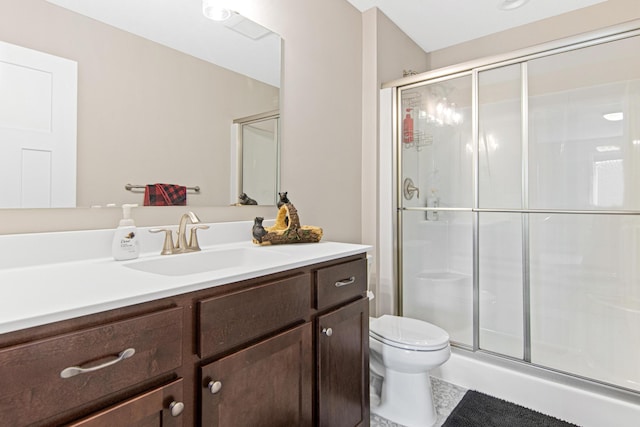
[(473, 68)]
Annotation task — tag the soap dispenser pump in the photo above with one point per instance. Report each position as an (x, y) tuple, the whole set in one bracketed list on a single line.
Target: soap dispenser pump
[(125, 240)]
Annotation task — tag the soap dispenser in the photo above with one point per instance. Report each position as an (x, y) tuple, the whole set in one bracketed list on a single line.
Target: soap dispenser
[(125, 240), (433, 201), (407, 127)]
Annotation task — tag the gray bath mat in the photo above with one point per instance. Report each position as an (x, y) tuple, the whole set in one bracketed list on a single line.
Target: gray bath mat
[(480, 410)]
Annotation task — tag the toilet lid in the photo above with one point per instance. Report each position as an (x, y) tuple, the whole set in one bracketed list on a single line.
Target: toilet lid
[(411, 334)]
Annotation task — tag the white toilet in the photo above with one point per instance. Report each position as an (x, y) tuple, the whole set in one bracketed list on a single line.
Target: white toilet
[(402, 352)]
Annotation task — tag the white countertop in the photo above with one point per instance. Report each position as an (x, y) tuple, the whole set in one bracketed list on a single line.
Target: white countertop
[(34, 295)]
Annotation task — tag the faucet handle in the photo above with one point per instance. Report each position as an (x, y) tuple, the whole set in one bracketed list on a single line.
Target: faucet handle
[(193, 237), (168, 246)]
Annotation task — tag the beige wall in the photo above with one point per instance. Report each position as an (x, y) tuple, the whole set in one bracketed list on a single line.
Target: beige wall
[(322, 107), (387, 52), (396, 51), (321, 128), (601, 15), (139, 105)]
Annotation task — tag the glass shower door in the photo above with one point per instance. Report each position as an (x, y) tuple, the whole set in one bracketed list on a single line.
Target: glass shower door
[(436, 198), (584, 158), (501, 253), (519, 208)]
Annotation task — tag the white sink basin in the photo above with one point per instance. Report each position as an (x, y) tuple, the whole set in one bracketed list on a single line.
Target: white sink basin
[(205, 261)]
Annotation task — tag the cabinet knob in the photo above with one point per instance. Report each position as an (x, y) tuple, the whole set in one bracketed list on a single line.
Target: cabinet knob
[(327, 331), (176, 408), (214, 386)]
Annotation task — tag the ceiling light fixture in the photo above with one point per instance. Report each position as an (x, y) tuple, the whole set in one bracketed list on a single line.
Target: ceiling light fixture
[(511, 4), (214, 10), (614, 117)]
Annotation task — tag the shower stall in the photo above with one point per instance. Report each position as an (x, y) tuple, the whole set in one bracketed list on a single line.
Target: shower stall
[(518, 205)]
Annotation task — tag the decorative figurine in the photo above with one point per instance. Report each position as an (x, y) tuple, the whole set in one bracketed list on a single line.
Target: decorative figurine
[(283, 199), (246, 200), (258, 229), (287, 229)]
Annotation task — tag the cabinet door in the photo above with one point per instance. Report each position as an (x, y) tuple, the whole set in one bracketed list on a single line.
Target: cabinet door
[(160, 407), (343, 366), (268, 384)]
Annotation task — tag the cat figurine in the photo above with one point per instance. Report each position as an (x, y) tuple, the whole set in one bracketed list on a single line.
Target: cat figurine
[(258, 230), (283, 199), (246, 200)]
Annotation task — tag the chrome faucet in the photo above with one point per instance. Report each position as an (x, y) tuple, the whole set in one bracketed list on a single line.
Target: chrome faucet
[(183, 245)]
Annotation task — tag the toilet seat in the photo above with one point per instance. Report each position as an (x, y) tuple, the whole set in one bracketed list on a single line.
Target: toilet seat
[(408, 334)]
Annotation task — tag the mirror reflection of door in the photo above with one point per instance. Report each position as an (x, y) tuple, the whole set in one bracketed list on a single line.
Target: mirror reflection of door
[(259, 159), (38, 95)]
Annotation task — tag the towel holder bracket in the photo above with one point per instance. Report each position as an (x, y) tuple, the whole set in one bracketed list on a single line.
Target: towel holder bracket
[(131, 187)]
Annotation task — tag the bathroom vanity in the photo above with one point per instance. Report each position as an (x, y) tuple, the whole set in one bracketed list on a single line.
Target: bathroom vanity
[(279, 345)]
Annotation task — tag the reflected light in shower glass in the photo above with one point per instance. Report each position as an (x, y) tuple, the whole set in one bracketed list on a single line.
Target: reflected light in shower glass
[(614, 117), (607, 148), (485, 143), (608, 183)]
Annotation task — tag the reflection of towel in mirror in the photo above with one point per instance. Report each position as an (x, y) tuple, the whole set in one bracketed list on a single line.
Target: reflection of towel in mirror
[(165, 195)]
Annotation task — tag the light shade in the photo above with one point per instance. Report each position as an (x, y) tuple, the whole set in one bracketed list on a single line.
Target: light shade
[(214, 10), (511, 4)]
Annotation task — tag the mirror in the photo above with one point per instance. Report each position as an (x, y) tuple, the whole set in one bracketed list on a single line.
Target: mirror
[(258, 148), (159, 87)]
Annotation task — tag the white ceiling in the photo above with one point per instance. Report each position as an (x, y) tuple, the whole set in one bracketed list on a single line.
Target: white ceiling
[(181, 25), (436, 24), (432, 24)]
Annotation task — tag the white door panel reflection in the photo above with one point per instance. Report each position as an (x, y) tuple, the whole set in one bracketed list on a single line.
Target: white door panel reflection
[(38, 115)]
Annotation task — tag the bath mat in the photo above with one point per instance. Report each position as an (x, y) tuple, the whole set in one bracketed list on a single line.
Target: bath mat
[(480, 410)]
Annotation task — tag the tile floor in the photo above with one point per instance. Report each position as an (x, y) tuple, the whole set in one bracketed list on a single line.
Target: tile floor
[(445, 397)]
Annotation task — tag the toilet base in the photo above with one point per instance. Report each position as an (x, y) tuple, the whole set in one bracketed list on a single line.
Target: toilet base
[(406, 399)]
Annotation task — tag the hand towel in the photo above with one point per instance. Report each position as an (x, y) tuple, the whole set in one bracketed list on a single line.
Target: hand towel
[(165, 195)]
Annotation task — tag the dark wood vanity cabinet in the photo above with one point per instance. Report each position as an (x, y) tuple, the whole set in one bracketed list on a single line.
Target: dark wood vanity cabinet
[(313, 374), (288, 349), (343, 366), (342, 343)]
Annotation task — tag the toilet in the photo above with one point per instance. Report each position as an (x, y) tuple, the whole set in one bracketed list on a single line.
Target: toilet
[(402, 352)]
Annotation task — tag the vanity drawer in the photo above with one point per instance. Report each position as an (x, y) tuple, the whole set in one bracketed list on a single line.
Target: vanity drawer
[(231, 320), (340, 283), (36, 383)]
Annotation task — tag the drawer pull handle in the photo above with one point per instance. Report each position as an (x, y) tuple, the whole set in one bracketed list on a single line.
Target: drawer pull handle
[(76, 370), (327, 331), (344, 282), (214, 386), (176, 408)]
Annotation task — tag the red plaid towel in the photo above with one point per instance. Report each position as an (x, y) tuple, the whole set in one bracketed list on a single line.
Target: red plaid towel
[(165, 195)]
